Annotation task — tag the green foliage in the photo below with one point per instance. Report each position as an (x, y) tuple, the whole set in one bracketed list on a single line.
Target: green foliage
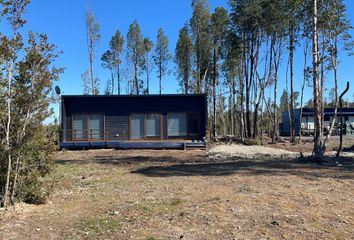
[(162, 55), (26, 145), (135, 53), (199, 24), (183, 58)]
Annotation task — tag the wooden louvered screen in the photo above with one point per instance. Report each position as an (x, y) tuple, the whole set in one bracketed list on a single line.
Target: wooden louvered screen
[(116, 128)]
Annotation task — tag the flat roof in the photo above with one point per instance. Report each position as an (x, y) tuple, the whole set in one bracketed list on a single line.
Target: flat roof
[(133, 96)]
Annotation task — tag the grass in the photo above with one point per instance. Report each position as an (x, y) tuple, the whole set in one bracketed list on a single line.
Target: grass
[(95, 227)]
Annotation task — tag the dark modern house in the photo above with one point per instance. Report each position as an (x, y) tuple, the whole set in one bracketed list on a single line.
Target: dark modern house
[(305, 122), (133, 121)]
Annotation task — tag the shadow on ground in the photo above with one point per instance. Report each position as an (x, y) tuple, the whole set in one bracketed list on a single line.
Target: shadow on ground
[(201, 165), (342, 168)]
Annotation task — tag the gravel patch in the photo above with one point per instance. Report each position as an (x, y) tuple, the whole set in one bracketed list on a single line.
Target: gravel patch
[(252, 152)]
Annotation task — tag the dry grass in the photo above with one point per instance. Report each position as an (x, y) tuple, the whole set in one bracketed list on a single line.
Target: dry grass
[(108, 194)]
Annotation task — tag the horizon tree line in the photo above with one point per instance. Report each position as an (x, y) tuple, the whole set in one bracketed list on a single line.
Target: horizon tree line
[(236, 57)]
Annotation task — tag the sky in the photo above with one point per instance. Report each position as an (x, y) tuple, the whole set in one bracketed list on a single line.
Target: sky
[(64, 23)]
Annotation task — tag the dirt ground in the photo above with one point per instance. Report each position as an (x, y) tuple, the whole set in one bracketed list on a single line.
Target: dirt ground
[(112, 194), (306, 144)]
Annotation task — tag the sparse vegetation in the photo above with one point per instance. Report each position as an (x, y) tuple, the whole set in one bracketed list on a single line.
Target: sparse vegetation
[(110, 194)]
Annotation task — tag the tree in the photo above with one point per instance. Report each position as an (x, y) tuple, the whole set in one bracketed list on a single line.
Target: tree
[(199, 24), (135, 53), (85, 76), (28, 70), (183, 58), (219, 24), (317, 93), (148, 45), (162, 56), (13, 11), (108, 62), (93, 37), (116, 47)]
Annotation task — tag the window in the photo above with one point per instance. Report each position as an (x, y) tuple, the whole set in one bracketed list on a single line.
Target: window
[(95, 126), (193, 125), (137, 126), (153, 125), (88, 127), (145, 126), (79, 127), (177, 124)]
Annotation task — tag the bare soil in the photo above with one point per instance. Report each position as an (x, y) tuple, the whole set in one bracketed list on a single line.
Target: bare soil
[(111, 194)]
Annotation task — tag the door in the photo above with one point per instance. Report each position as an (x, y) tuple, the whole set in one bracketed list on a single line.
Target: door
[(137, 126)]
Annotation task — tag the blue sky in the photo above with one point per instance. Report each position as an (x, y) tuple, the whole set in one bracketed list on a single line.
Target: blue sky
[(64, 23)]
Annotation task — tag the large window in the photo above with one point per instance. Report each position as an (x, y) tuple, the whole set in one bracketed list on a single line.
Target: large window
[(153, 125), (88, 127), (137, 126), (177, 124), (183, 125), (95, 126), (145, 126), (79, 127)]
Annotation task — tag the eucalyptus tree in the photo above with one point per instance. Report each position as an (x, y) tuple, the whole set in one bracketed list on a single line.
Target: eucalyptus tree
[(199, 24), (135, 54), (116, 48), (333, 36), (247, 21), (183, 58), (218, 25), (275, 29), (317, 90), (162, 56), (231, 68), (293, 9), (148, 45), (93, 37)]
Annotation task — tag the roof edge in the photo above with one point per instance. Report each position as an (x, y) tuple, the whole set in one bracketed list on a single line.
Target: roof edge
[(132, 96)]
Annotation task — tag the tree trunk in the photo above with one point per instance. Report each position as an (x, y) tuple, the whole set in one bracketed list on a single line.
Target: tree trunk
[(303, 85), (241, 77), (316, 87), (118, 77), (186, 81), (8, 149), (292, 100), (160, 77), (214, 93), (136, 77), (112, 79)]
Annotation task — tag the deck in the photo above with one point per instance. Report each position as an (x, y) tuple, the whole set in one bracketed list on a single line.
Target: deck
[(134, 145)]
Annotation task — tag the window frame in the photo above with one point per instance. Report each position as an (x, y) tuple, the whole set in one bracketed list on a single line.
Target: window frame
[(177, 137), (86, 129), (144, 130), (188, 136)]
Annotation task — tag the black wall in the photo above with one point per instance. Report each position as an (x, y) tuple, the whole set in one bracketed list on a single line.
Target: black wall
[(119, 107)]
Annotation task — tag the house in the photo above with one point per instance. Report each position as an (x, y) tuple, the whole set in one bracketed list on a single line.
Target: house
[(133, 121), (305, 122)]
